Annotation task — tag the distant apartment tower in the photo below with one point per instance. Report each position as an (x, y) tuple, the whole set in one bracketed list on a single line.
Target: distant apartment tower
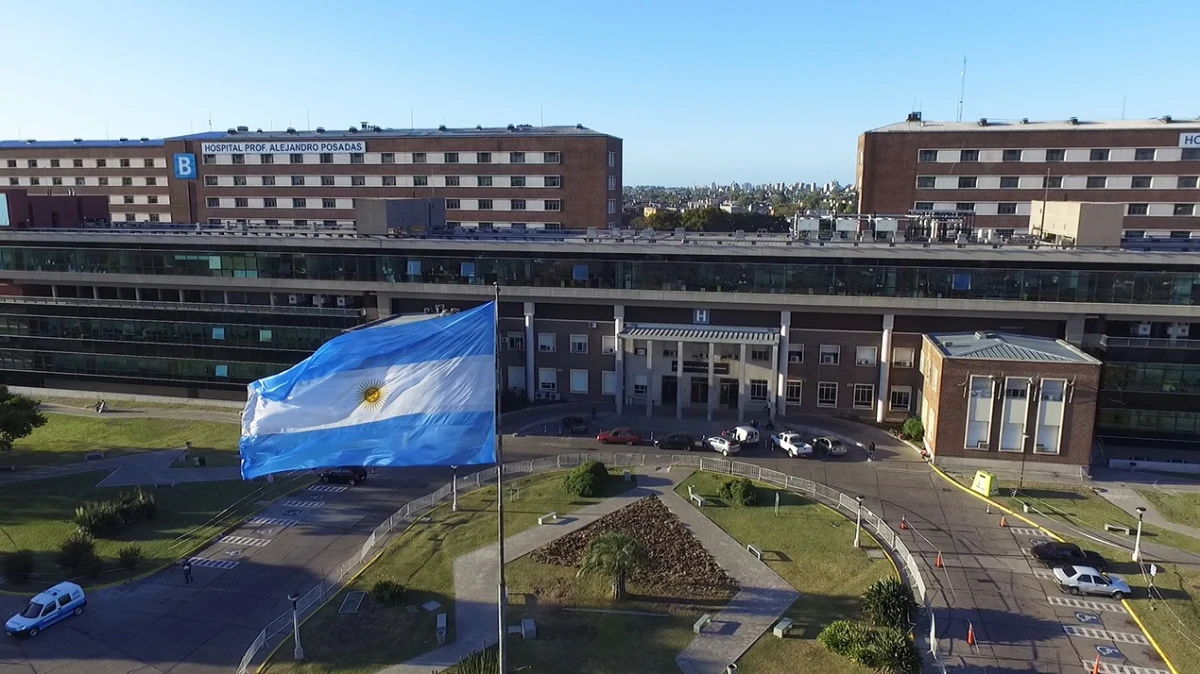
[(994, 169)]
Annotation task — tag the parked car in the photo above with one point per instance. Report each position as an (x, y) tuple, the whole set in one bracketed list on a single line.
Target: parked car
[(619, 436), (1087, 580), (676, 441), (745, 435), (350, 475), (830, 446), (1063, 554), (574, 425), (723, 445), (792, 444), (47, 608)]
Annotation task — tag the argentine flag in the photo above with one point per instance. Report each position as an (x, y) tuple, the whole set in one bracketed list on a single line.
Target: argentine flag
[(414, 394)]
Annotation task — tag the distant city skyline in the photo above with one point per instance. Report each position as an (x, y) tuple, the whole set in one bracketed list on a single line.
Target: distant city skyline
[(766, 92)]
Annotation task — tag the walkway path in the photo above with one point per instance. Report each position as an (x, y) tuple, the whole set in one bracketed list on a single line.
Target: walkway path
[(132, 411), (764, 596), (146, 468), (1128, 499)]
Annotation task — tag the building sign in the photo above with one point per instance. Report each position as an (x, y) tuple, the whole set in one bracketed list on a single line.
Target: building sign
[(1190, 139), (297, 147), (185, 166)]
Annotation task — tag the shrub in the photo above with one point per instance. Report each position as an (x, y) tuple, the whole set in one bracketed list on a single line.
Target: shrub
[(105, 518), (890, 603), (478, 662), (131, 556), (892, 651), (18, 566), (739, 491), (388, 592), (845, 637), (586, 479), (913, 429), (77, 554)]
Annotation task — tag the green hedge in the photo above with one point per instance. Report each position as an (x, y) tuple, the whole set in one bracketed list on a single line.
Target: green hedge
[(739, 491), (587, 479), (105, 518)]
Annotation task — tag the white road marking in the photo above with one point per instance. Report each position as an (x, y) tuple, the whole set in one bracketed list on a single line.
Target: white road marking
[(244, 540), (294, 503), (212, 563), (1105, 635), (1083, 603)]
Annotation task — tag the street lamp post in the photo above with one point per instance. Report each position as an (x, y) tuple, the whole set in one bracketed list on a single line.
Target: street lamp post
[(298, 653), (1137, 541), (858, 523), (454, 488)]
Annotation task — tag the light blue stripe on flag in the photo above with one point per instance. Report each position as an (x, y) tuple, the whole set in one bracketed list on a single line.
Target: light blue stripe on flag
[(415, 394)]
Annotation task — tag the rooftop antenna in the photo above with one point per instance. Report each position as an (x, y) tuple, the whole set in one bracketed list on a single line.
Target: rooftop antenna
[(106, 131), (962, 88), (307, 121), (210, 120), (19, 132), (1123, 106), (541, 115), (412, 123)]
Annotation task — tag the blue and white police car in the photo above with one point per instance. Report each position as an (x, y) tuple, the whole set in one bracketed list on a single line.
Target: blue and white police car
[(47, 608)]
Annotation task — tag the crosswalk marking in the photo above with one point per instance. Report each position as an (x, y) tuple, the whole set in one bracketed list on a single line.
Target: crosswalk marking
[(1025, 531), (1044, 574), (277, 521), (212, 563), (1105, 635), (294, 503), (335, 488), (244, 540), (1112, 668), (1081, 603)]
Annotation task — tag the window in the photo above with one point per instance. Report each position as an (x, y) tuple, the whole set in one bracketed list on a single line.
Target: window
[(357, 158), (864, 396), (488, 226), (127, 199), (78, 181), (1052, 182), (608, 382), (484, 181), (926, 156), (483, 157), (1140, 182), (760, 354), (579, 343), (514, 341), (56, 181), (968, 155), (130, 217), (418, 157), (152, 181), (964, 206), (12, 163), (547, 341), (1016, 388), (641, 385), (325, 158), (547, 379), (552, 181), (271, 222), (793, 392), (239, 181), (1190, 154), (579, 382), (241, 202), (235, 158), (519, 158), (1138, 209), (900, 399), (866, 356), (54, 163), (612, 159), (389, 181), (1186, 183), (297, 181), (612, 206), (831, 354), (1143, 154), (827, 394), (923, 206), (516, 181), (552, 205), (77, 163), (608, 345), (1012, 155), (212, 202), (1185, 209), (299, 159), (484, 204), (358, 181), (270, 202), (967, 182), (670, 353), (451, 181), (758, 389), (552, 158), (103, 182), (329, 203), (517, 204), (1008, 208), (700, 317), (453, 204), (327, 181), (154, 217), (103, 163), (1098, 155), (125, 163), (268, 181), (329, 223), (266, 159), (1056, 155), (299, 202), (420, 181), (1096, 182), (1010, 182), (387, 158), (300, 222), (926, 182), (127, 182)]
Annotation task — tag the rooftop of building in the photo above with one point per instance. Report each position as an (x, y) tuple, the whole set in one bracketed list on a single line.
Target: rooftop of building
[(30, 143), (1008, 346), (916, 124), (367, 131)]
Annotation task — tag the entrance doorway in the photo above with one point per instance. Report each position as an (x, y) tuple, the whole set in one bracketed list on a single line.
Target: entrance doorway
[(670, 389), (699, 392), (729, 393)]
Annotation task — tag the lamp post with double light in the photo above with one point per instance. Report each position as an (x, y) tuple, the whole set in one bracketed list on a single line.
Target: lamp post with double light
[(298, 653), (454, 488), (1137, 541), (858, 523)]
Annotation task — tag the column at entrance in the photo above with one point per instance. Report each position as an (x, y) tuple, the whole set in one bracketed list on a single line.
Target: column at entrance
[(711, 399), (885, 364), (744, 384), (619, 323), (650, 378), (781, 363), (531, 379), (680, 382), (773, 395)]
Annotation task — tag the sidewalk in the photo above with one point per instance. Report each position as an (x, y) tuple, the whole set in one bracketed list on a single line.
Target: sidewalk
[(131, 411), (1128, 499), (146, 468)]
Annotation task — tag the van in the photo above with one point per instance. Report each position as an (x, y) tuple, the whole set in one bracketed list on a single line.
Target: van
[(746, 435), (47, 608)]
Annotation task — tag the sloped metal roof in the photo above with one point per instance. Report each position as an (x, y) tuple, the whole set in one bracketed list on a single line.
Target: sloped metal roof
[(701, 333), (1007, 346)]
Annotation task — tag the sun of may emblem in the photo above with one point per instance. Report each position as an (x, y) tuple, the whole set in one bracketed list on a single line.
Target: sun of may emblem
[(371, 394)]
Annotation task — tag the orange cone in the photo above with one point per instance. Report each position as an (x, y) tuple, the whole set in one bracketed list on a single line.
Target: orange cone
[(938, 563), (970, 634), (903, 522), (1096, 667), (1003, 521)]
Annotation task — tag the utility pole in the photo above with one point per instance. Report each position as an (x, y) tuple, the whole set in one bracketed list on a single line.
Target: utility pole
[(962, 88)]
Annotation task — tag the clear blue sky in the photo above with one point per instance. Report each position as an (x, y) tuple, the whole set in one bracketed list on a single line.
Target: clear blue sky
[(699, 90)]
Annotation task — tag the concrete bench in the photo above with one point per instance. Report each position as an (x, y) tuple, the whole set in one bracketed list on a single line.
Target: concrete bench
[(782, 627), (441, 629), (699, 500), (549, 518), (703, 620), (1109, 526), (754, 550), (93, 455), (528, 629)]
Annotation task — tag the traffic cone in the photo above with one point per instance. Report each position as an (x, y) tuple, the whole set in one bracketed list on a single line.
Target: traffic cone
[(1096, 666), (938, 563), (970, 634), (1003, 521), (904, 522)]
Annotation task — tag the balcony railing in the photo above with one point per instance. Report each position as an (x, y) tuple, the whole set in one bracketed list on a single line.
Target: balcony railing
[(180, 306)]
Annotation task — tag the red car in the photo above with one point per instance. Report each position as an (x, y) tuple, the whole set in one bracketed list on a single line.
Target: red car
[(619, 436)]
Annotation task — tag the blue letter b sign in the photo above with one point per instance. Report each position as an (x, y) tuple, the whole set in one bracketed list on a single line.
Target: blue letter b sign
[(185, 166)]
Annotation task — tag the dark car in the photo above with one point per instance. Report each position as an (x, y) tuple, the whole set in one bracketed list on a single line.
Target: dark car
[(574, 425), (350, 475), (1062, 554), (676, 441)]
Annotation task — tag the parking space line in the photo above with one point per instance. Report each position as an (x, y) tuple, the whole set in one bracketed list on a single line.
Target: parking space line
[(1083, 603), (1105, 635), (244, 540), (212, 563), (1023, 531), (327, 488), (294, 503), (1111, 668), (1043, 574)]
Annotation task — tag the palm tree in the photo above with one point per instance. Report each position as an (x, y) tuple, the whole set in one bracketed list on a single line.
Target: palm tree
[(614, 555)]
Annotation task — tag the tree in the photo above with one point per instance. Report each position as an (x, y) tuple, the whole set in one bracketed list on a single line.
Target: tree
[(19, 415), (613, 555), (913, 429), (890, 603), (663, 220)]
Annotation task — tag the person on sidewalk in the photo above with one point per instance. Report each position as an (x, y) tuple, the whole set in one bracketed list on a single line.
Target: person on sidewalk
[(871, 452), (187, 572)]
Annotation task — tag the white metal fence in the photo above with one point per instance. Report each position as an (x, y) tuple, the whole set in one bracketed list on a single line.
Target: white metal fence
[(279, 628)]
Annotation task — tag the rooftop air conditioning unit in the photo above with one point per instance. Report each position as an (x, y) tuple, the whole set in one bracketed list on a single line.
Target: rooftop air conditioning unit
[(341, 301), (540, 395), (640, 352), (1144, 329), (1181, 329), (592, 326), (552, 396), (319, 300), (612, 351), (545, 347), (293, 299), (862, 361), (795, 358)]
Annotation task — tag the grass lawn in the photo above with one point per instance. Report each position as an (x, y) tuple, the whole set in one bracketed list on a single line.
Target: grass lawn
[(37, 516), (811, 547), (66, 438), (422, 560), (1179, 508)]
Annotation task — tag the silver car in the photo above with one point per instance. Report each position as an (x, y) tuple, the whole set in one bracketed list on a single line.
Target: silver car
[(1086, 580)]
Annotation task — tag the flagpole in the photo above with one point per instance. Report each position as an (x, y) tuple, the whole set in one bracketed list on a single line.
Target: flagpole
[(503, 592)]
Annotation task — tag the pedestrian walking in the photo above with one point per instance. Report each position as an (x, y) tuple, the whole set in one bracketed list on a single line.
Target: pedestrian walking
[(187, 572), (767, 410), (871, 452)]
